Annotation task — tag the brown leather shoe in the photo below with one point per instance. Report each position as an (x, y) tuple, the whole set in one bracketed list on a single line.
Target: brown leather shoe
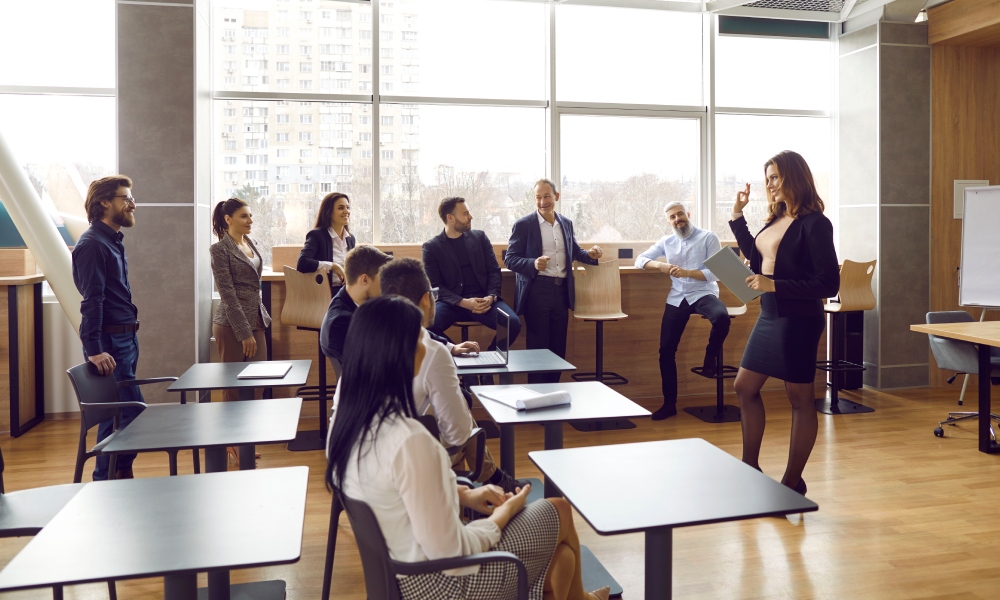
[(124, 474)]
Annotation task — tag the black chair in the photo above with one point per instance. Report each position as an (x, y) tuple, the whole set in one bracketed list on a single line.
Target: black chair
[(464, 477), (381, 570), (99, 400), (26, 512)]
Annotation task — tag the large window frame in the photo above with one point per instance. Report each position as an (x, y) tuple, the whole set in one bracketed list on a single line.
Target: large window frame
[(555, 108)]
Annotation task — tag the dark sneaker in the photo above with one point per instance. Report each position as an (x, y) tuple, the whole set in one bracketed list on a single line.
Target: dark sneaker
[(709, 368), (665, 412), (485, 380), (124, 474), (509, 484)]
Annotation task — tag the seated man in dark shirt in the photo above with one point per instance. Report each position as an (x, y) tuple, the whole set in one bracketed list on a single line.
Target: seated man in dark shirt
[(460, 262), (361, 268)]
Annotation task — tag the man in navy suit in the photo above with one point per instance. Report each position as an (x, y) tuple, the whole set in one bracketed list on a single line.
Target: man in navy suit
[(541, 252), (460, 262)]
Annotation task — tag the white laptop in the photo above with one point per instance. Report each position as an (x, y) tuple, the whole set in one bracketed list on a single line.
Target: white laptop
[(265, 370), (493, 358)]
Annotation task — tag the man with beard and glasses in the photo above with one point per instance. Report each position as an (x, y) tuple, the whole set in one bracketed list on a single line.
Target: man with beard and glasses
[(693, 289), (109, 319), (460, 262)]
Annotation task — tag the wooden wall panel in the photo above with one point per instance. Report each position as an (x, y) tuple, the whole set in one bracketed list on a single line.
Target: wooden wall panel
[(26, 353), (965, 136), (965, 23)]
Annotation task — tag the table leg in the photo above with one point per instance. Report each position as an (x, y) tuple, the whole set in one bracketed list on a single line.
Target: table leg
[(180, 587), (985, 368), (248, 452), (659, 563), (553, 441), (506, 379), (218, 585), (216, 459), (507, 449)]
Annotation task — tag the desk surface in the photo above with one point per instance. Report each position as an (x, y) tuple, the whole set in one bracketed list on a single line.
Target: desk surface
[(21, 279), (182, 524), (592, 400), (181, 426), (223, 376), (985, 332), (670, 483), (26, 512), (524, 361)]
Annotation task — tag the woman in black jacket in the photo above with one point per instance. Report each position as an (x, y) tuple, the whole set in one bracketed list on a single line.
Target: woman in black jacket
[(795, 265), (330, 241)]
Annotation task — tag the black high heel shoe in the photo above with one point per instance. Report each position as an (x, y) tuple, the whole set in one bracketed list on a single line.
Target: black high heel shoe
[(801, 487)]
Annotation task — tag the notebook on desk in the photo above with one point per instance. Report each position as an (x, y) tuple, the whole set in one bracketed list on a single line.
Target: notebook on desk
[(727, 266), (265, 370), (494, 358)]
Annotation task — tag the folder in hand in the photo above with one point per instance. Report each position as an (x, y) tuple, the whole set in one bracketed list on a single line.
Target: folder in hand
[(727, 266)]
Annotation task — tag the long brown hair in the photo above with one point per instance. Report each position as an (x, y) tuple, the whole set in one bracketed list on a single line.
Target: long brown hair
[(325, 216), (797, 186)]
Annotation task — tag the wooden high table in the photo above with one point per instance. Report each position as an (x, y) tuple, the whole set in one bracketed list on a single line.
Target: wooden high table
[(24, 386), (986, 334)]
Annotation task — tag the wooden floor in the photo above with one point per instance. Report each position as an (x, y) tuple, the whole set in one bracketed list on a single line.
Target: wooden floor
[(903, 514)]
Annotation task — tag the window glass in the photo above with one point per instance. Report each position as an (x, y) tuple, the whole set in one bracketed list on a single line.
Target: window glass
[(439, 151), (746, 142), (57, 43), (465, 48), (752, 72), (64, 143), (628, 55), (618, 174), (284, 177), (262, 46)]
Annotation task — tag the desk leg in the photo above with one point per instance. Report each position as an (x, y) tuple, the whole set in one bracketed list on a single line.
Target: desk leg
[(265, 297), (248, 460), (507, 449), (180, 587), (506, 379), (659, 563), (986, 444), (216, 460), (218, 585), (553, 441)]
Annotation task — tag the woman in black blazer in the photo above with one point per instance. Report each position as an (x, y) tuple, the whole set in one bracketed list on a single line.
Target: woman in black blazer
[(331, 240), (795, 265)]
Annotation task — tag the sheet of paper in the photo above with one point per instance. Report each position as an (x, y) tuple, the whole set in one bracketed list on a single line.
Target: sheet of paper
[(509, 396)]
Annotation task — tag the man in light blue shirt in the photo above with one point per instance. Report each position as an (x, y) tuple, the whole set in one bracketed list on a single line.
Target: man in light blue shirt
[(693, 289)]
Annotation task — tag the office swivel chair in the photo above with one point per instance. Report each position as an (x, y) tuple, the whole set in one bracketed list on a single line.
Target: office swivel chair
[(961, 357)]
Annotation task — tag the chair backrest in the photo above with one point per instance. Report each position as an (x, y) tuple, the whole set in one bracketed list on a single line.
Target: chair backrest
[(856, 286), (953, 355), (380, 576), (307, 297), (93, 388), (598, 291)]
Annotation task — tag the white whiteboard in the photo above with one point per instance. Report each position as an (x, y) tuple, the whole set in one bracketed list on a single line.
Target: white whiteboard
[(979, 277)]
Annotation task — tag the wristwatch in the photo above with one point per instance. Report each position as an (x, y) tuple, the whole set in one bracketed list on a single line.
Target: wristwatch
[(494, 296)]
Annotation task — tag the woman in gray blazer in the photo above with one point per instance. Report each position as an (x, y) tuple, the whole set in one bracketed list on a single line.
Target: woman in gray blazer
[(239, 323)]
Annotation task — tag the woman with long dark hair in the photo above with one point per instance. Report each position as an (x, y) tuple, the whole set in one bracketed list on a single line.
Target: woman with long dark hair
[(329, 242), (239, 322), (380, 454), (795, 265)]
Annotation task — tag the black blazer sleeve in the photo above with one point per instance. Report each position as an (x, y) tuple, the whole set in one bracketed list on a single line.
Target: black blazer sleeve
[(580, 255), (432, 264), (312, 252), (822, 280), (493, 278), (744, 239), (337, 335), (439, 338), (516, 258)]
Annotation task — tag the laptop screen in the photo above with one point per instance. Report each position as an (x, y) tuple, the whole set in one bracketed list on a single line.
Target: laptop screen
[(503, 334)]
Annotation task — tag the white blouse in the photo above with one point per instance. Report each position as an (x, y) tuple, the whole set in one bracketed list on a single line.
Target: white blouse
[(405, 477), (339, 246)]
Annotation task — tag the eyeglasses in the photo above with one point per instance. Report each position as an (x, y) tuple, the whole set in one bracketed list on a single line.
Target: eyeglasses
[(434, 294), (128, 199)]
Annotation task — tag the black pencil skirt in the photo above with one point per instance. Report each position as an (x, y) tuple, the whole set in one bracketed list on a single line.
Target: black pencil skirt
[(783, 347)]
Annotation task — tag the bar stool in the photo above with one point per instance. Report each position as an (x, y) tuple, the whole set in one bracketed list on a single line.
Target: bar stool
[(855, 295), (720, 412), (307, 298), (465, 325)]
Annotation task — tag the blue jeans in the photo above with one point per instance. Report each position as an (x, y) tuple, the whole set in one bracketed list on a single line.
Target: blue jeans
[(124, 348), (446, 315)]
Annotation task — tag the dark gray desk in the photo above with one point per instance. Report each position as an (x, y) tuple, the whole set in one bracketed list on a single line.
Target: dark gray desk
[(26, 512), (212, 426), (223, 376), (170, 527), (592, 400), (693, 483), (523, 361)]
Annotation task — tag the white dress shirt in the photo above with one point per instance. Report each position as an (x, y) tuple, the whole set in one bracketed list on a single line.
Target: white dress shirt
[(339, 246), (436, 391), (553, 246), (687, 253), (405, 476)]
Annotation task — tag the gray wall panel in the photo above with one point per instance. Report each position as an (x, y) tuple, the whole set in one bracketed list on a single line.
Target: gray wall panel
[(901, 377), (905, 124), (904, 33), (858, 39), (905, 290), (859, 128)]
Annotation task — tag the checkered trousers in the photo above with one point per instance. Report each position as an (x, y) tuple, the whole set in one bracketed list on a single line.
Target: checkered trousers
[(531, 536)]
